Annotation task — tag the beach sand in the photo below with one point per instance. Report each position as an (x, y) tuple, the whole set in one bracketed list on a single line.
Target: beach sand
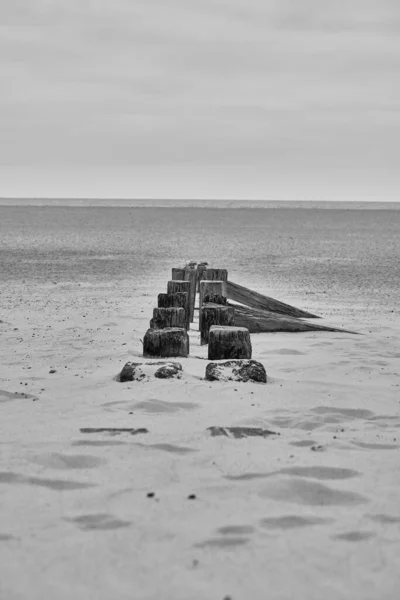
[(311, 512)]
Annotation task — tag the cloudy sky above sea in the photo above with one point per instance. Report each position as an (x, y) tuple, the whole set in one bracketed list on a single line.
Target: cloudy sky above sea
[(242, 99)]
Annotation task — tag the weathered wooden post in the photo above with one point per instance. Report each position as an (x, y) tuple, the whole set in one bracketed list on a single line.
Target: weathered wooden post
[(201, 268), (164, 343), (189, 274), (168, 317), (176, 300), (214, 314), (217, 275), (181, 287), (228, 342), (207, 288)]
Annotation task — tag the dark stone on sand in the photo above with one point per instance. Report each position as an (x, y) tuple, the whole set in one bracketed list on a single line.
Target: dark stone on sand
[(134, 372), (169, 371), (236, 370), (128, 372)]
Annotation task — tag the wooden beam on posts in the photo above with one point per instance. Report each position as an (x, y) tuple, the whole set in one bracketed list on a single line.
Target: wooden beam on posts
[(208, 288), (181, 287), (214, 314), (217, 275), (166, 343), (228, 342), (261, 321), (168, 317), (188, 274), (239, 293)]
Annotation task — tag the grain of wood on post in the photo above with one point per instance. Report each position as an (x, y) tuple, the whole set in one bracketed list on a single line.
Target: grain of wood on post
[(181, 287), (201, 269), (214, 314), (228, 342), (188, 273), (164, 343), (176, 300), (168, 317), (210, 287), (217, 275)]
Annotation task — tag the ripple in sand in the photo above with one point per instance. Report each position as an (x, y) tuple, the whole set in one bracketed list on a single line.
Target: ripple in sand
[(384, 519), (310, 493), (159, 406), (9, 396), (352, 413), (52, 484), (314, 472), (317, 472), (64, 461), (5, 537), (292, 522), (101, 521), (98, 443), (369, 446), (303, 443), (169, 448), (354, 536), (228, 542), (236, 530)]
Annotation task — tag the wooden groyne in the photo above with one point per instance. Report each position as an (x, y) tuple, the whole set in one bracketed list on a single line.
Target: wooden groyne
[(248, 312)]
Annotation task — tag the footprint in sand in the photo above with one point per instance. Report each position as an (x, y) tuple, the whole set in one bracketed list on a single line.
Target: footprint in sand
[(310, 493), (292, 522), (102, 521), (354, 536), (51, 484), (65, 461)]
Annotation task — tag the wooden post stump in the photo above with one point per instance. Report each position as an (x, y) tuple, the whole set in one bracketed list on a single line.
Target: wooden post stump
[(165, 343), (207, 288), (228, 342), (214, 315), (217, 275), (168, 317), (176, 300), (181, 287), (189, 274)]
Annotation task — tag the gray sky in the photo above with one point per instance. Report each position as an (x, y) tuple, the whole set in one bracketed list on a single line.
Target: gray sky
[(208, 98)]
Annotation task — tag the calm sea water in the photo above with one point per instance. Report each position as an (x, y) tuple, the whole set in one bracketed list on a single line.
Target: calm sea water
[(341, 257)]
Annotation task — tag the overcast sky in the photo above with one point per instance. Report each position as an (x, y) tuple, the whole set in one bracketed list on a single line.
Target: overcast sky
[(200, 98)]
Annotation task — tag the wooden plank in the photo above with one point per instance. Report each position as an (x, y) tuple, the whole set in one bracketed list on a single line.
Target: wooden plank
[(239, 293), (258, 321)]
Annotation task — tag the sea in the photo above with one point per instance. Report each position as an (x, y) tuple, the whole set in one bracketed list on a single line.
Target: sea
[(336, 256)]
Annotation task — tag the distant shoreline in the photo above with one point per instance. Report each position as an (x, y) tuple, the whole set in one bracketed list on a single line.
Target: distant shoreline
[(205, 204)]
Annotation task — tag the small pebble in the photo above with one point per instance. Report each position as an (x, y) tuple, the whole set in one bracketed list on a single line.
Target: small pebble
[(151, 494), (192, 497), (52, 371)]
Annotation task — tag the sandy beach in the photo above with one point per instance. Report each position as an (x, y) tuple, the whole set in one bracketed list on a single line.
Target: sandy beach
[(177, 513)]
